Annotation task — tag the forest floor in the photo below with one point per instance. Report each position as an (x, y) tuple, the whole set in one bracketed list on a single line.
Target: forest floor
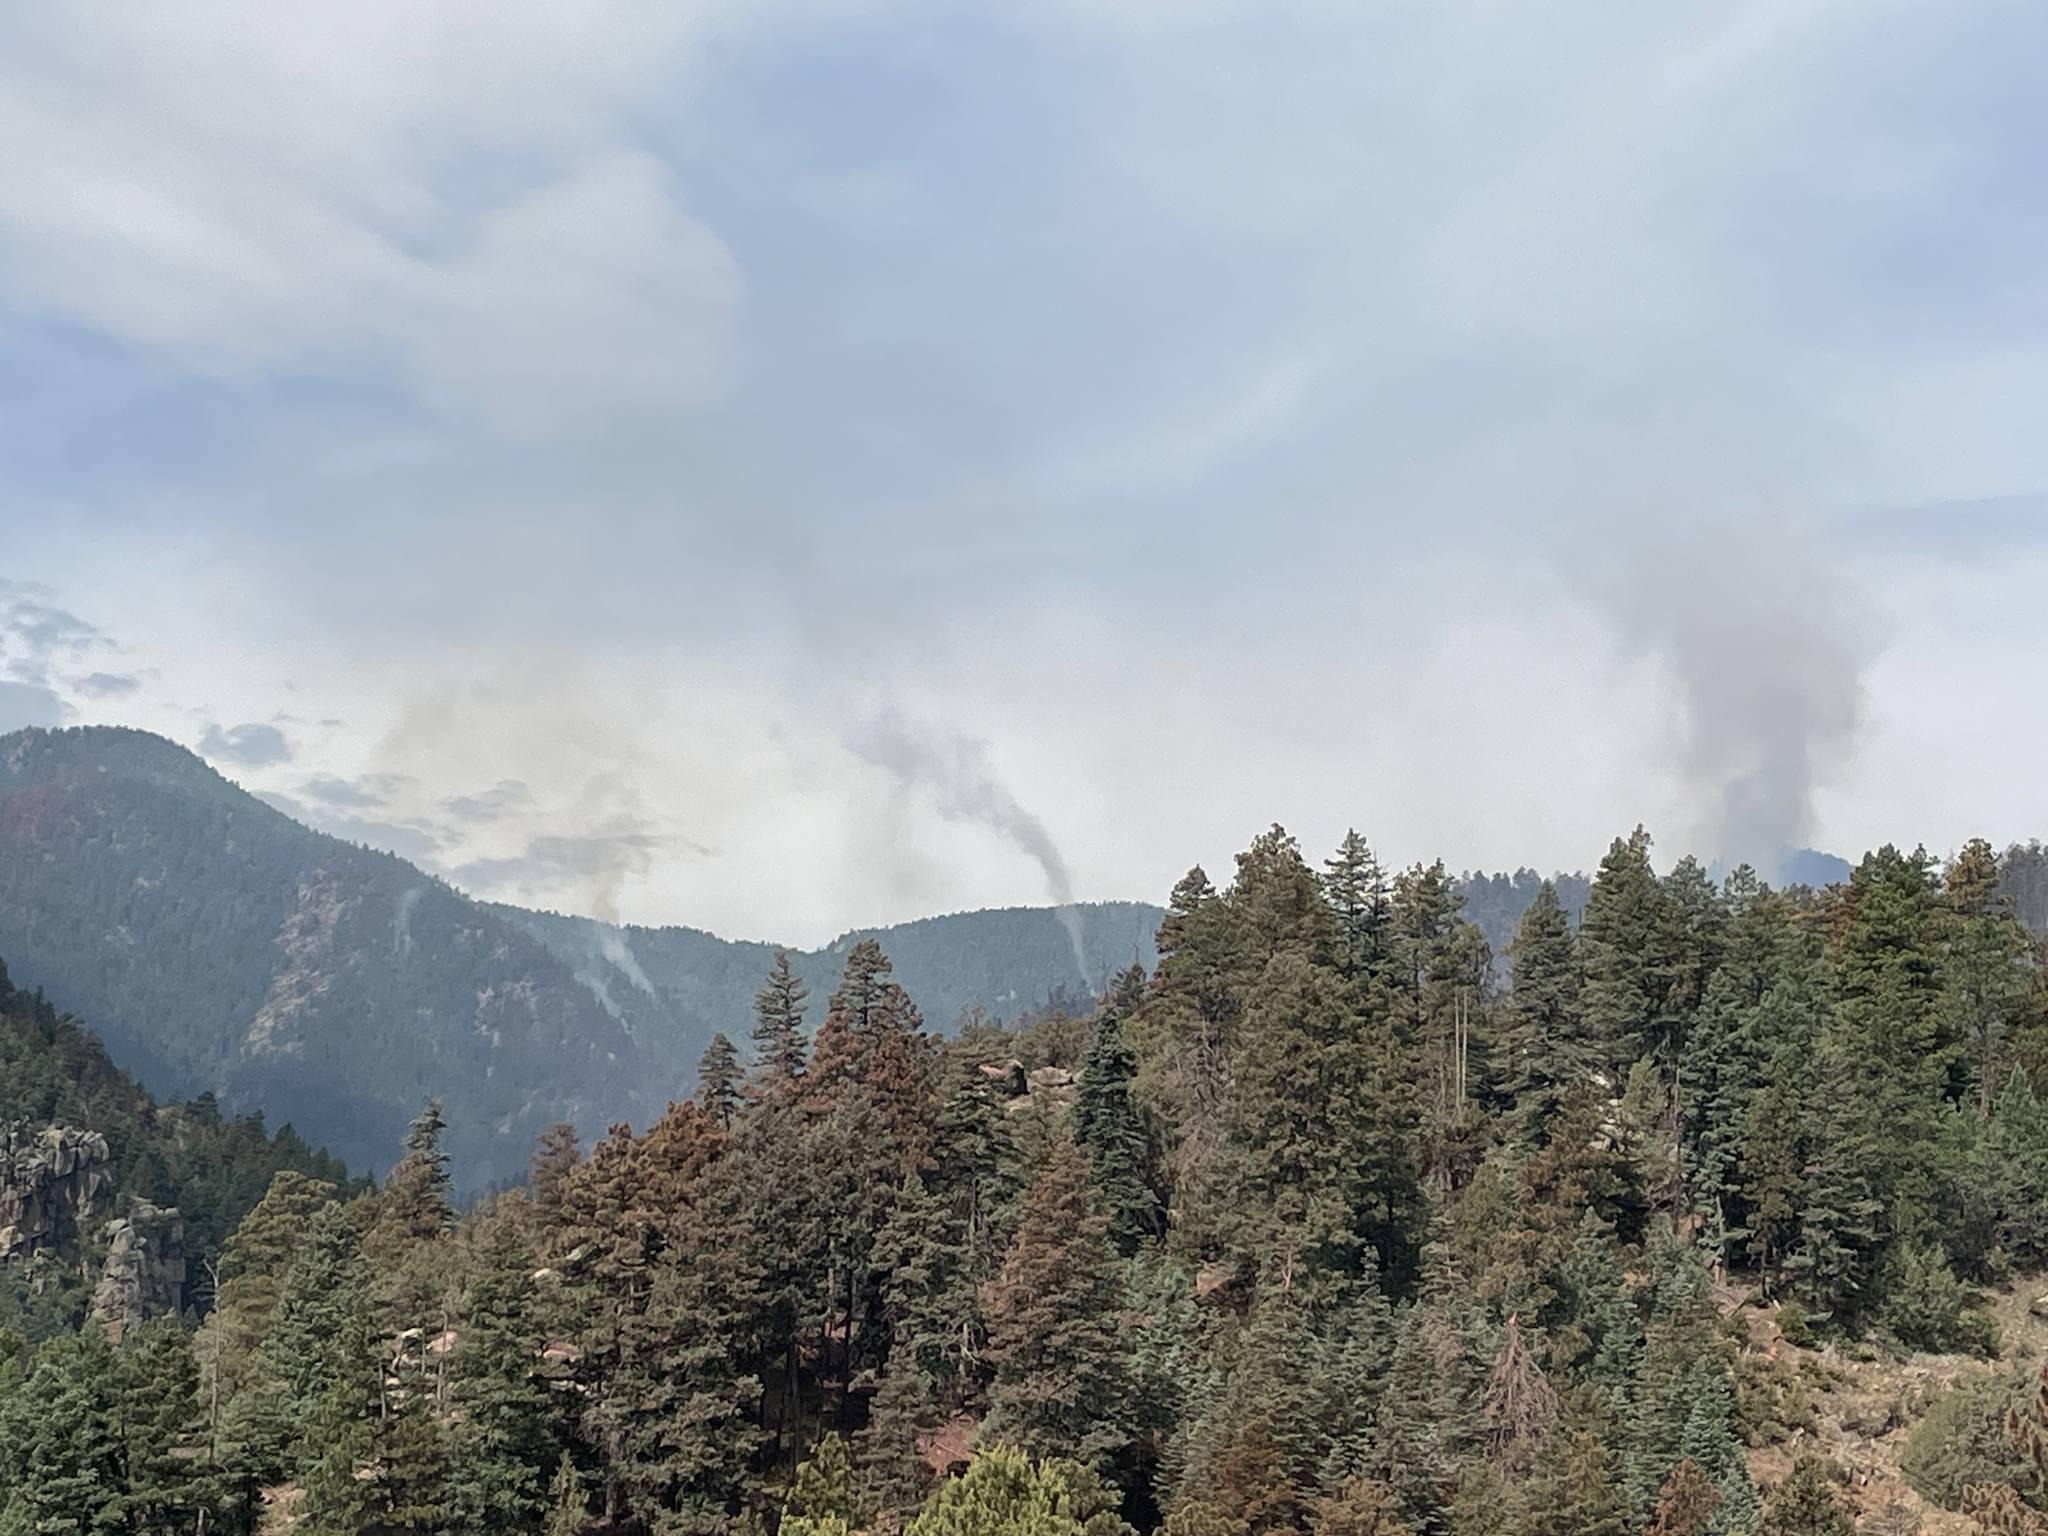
[(1860, 1404)]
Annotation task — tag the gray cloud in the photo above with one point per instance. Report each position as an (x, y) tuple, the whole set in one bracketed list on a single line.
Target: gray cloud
[(253, 745), (36, 636), (108, 685), (364, 792), (28, 704), (508, 797)]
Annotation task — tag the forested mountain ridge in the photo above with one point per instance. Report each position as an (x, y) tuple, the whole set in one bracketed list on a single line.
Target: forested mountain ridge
[(1324, 1227), (86, 1155), (675, 987), (219, 946)]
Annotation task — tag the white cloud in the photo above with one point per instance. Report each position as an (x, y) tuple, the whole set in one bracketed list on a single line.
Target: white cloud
[(450, 194)]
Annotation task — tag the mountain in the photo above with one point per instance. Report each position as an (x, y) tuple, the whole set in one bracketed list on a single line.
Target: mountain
[(219, 946), (672, 988)]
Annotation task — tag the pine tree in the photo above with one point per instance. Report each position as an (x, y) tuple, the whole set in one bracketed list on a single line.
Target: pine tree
[(1359, 1507), (1572, 1488), (1060, 1386), (929, 1295), (824, 1488), (1628, 960), (319, 1348), (504, 1451), (1544, 1048), (1985, 965), (1109, 1128), (666, 1283), (1356, 886), (418, 1193), (779, 1048), (1998, 1508), (1520, 1407), (1806, 1505), (1686, 1505), (156, 1412), (555, 1154), (1003, 1494), (718, 1080), (904, 1411), (61, 1450)]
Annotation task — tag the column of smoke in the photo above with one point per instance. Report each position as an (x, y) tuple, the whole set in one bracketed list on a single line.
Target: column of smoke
[(1768, 642), (957, 771), (401, 923)]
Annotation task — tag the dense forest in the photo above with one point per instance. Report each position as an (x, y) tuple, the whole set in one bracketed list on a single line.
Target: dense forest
[(1328, 1225)]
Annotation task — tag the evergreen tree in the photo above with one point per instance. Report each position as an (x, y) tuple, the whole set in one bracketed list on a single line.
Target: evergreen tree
[(1360, 1507), (61, 1447), (1686, 1505), (504, 1451), (824, 1488), (1356, 886), (779, 1047), (1003, 1494), (1109, 1128), (1986, 970), (1628, 957), (1544, 1049), (1573, 1489), (417, 1196), (1806, 1505), (555, 1154), (718, 1080), (156, 1412), (1060, 1386), (1520, 1407)]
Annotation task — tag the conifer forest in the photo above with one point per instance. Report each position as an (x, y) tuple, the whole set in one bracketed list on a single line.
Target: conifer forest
[(1336, 1223)]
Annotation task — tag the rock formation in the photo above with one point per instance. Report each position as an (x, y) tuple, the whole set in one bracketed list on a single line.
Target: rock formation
[(49, 1182), (144, 1272)]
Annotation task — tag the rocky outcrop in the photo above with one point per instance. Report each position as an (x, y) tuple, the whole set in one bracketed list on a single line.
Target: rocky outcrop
[(144, 1272), (50, 1181)]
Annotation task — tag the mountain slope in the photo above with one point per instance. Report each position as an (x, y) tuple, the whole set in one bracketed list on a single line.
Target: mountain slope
[(673, 988), (219, 946), (81, 1146)]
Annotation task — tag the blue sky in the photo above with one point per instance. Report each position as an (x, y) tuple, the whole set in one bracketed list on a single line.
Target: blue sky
[(1492, 425)]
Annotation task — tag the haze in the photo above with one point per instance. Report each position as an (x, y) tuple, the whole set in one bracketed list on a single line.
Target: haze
[(777, 467)]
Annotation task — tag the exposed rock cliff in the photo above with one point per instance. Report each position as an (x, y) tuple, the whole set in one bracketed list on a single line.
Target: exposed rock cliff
[(144, 1272), (50, 1180)]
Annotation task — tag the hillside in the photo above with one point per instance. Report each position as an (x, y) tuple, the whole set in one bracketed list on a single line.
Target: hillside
[(90, 1163), (219, 946), (675, 987)]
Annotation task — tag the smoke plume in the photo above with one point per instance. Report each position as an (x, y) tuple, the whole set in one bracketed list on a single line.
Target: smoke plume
[(1768, 645), (966, 787)]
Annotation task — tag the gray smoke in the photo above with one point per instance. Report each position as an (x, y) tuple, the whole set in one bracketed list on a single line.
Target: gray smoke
[(965, 785), (401, 922), (1768, 644)]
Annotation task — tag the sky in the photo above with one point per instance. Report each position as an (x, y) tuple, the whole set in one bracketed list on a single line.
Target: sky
[(791, 465)]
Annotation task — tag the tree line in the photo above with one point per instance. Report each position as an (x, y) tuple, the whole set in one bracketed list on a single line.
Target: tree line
[(1329, 1225)]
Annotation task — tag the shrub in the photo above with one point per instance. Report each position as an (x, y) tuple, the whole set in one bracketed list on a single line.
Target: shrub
[(1962, 1441), (1927, 1307)]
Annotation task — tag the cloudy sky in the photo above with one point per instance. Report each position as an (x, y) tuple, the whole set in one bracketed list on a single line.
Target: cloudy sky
[(784, 465)]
